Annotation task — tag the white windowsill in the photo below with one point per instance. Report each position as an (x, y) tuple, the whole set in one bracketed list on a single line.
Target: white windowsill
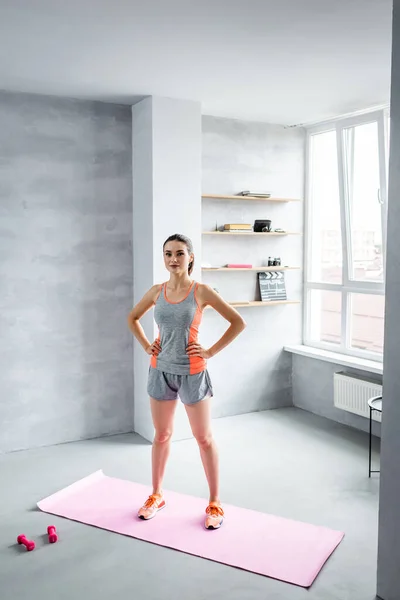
[(362, 364)]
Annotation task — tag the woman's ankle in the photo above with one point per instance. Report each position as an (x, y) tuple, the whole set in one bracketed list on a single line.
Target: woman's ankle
[(214, 500)]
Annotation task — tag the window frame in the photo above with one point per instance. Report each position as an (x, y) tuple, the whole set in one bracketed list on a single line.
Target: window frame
[(348, 286)]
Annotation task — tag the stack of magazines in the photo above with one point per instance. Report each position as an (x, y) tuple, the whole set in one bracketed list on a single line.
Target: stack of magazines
[(255, 194)]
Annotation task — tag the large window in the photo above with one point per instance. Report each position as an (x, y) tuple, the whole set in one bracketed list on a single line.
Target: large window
[(346, 234)]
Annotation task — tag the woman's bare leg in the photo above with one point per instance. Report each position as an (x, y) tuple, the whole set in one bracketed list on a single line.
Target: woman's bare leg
[(200, 421), (163, 412)]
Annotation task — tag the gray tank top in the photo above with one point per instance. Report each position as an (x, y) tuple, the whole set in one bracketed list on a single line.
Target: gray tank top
[(178, 324)]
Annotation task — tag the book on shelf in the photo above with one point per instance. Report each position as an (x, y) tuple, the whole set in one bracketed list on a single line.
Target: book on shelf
[(238, 227), (237, 231), (238, 266)]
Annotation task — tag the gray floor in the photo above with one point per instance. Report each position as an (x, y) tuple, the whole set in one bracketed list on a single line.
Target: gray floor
[(286, 462)]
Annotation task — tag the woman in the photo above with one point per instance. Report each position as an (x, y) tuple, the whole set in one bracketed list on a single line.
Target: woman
[(178, 367)]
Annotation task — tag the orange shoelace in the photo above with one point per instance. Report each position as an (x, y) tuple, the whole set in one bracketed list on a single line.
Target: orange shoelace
[(214, 510), (151, 501)]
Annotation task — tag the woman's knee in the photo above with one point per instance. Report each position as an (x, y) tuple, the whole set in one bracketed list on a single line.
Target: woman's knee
[(204, 441), (163, 436)]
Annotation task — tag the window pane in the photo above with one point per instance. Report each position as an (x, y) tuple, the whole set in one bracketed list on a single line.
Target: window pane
[(367, 322), (362, 166), (326, 240), (325, 316)]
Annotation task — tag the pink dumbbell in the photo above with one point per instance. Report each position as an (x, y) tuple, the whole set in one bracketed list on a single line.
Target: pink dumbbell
[(53, 537), (21, 539)]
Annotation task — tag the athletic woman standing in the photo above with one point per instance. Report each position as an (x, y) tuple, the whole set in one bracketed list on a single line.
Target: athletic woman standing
[(178, 367)]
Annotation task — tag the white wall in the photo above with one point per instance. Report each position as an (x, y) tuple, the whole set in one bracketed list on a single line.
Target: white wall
[(142, 243), (253, 373), (312, 384), (166, 200)]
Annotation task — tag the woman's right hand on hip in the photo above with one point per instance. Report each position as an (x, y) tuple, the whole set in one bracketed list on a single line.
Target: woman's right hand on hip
[(154, 349)]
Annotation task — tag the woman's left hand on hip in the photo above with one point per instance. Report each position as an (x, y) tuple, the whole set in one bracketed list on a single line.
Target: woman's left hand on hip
[(196, 349)]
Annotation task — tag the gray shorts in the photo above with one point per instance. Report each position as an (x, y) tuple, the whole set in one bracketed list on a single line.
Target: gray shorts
[(189, 388)]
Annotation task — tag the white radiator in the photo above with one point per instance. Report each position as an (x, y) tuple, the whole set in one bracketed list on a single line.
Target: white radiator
[(352, 393)]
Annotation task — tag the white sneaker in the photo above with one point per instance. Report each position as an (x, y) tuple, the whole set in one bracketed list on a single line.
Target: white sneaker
[(215, 516), (150, 508)]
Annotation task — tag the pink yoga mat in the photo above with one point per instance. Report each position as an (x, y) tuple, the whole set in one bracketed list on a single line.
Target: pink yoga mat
[(280, 548)]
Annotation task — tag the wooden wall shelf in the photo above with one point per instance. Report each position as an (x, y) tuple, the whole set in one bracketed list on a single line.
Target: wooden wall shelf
[(247, 198), (258, 269), (259, 303), (228, 233), (236, 234)]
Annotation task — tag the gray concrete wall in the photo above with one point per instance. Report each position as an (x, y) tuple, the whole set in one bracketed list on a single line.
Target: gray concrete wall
[(253, 373), (65, 270), (312, 382), (389, 510)]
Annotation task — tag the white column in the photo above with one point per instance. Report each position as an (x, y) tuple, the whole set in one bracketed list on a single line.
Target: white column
[(389, 501), (166, 139)]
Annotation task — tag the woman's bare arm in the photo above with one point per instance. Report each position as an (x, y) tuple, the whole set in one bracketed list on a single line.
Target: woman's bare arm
[(141, 308), (206, 296)]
